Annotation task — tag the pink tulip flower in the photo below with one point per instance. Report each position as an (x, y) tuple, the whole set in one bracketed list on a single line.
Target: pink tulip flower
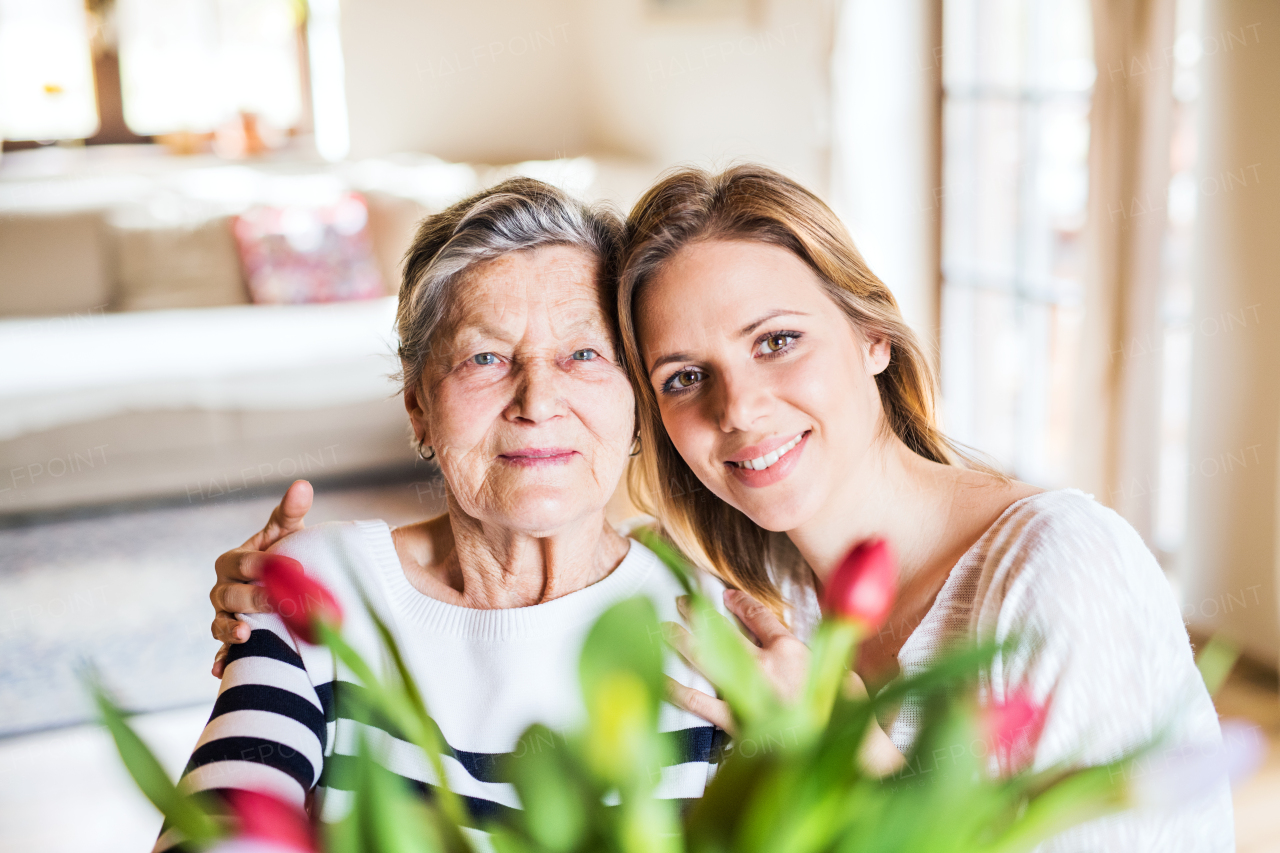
[(275, 824), (864, 585), (1013, 729)]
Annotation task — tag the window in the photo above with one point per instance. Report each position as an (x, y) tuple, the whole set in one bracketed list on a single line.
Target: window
[(185, 66), (190, 65), (46, 71), (1017, 78)]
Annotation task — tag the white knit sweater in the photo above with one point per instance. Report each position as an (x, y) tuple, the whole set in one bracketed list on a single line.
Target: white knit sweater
[(1101, 633)]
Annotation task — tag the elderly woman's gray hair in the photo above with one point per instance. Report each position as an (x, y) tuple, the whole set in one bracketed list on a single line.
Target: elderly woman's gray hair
[(515, 215)]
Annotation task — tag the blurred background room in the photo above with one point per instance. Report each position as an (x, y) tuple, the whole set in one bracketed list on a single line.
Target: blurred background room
[(204, 203)]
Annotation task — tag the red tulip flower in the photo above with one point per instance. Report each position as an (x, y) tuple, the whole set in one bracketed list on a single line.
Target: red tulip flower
[(299, 600), (863, 587), (262, 817), (1013, 729)]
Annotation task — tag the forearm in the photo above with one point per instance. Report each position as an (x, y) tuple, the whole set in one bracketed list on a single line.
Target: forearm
[(267, 728)]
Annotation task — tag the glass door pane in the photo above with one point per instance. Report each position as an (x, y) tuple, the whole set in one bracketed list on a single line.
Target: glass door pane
[(1017, 80)]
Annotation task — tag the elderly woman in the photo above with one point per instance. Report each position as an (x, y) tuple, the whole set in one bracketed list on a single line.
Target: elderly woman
[(513, 384)]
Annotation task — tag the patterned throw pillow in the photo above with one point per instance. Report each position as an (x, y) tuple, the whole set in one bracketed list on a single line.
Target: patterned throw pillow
[(309, 253)]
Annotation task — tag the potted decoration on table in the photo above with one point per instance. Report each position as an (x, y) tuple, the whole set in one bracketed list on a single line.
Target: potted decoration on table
[(791, 781)]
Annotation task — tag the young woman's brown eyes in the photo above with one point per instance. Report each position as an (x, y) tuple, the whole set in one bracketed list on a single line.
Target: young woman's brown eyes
[(682, 380), (776, 342)]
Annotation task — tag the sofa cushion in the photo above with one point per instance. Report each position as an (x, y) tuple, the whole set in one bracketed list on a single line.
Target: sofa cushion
[(393, 221), (183, 260), (52, 264), (308, 252)]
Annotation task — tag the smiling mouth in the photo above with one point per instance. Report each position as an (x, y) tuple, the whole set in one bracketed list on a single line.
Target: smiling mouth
[(539, 456), (762, 462)]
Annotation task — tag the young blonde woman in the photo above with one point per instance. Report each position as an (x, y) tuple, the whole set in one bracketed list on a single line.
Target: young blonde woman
[(787, 413)]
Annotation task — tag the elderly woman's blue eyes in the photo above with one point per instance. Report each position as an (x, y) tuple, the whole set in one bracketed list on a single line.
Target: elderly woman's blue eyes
[(486, 359)]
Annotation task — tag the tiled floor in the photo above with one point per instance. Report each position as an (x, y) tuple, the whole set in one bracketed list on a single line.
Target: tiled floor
[(129, 592)]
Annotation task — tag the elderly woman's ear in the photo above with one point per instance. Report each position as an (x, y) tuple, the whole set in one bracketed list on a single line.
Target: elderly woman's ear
[(417, 415)]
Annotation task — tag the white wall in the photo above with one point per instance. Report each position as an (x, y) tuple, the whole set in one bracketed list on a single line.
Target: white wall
[(481, 80), (508, 80), (750, 85)]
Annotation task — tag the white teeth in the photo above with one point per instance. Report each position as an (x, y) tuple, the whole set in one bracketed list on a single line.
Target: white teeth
[(762, 462)]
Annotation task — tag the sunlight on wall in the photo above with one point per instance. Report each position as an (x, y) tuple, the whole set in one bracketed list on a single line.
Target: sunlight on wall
[(1176, 310), (328, 85), (884, 72)]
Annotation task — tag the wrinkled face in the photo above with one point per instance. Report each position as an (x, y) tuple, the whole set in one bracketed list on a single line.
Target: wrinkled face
[(524, 400), (764, 385)]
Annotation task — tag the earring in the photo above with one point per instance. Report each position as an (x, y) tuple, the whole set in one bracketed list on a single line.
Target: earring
[(424, 457), (635, 446)]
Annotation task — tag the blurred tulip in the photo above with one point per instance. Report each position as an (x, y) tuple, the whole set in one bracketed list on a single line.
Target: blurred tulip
[(277, 825), (1013, 729), (299, 600), (863, 587), (248, 845), (619, 709), (1180, 775), (1244, 747)]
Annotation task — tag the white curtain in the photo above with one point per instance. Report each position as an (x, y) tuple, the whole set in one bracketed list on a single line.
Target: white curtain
[(1116, 447)]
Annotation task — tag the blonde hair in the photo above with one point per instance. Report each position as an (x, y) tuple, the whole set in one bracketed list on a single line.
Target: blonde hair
[(754, 203)]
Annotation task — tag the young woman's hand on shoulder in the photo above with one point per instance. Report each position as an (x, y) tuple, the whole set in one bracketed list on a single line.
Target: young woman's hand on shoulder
[(784, 659)]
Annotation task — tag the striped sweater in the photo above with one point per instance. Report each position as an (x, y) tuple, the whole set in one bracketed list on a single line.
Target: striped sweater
[(486, 676)]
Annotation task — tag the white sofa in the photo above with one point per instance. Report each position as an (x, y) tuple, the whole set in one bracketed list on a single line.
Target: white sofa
[(131, 365), (195, 403)]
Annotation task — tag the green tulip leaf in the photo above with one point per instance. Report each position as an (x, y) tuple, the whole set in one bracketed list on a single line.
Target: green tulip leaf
[(188, 814), (552, 793), (626, 639)]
